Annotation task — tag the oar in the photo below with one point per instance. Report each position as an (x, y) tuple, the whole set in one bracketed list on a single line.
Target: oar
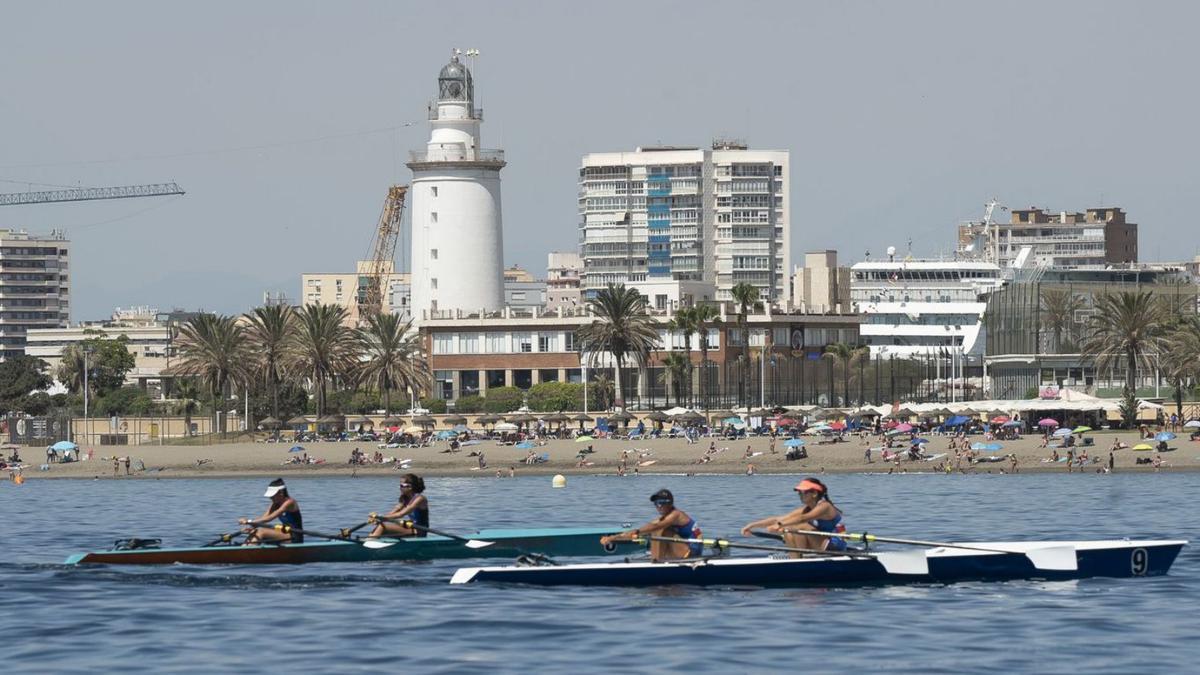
[(893, 562), (288, 529), (1058, 558), (384, 543), (223, 539)]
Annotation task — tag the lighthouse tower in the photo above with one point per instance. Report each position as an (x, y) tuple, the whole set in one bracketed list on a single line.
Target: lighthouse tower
[(457, 243)]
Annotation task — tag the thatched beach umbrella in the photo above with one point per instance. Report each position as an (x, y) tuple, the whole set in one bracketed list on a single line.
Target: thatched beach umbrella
[(424, 421), (269, 423), (454, 420), (299, 420)]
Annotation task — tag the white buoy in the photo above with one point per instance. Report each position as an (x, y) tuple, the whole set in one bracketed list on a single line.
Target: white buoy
[(559, 481)]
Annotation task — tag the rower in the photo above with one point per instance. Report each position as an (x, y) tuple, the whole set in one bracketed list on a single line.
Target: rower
[(412, 508), (671, 522), (817, 513), (284, 508)]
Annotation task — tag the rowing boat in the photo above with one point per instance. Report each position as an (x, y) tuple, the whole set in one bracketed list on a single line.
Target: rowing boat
[(578, 541), (1005, 561)]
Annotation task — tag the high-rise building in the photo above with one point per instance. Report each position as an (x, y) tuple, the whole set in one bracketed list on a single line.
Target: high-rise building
[(1095, 238), (457, 244), (685, 214), (35, 286), (564, 270), (349, 289), (821, 286)]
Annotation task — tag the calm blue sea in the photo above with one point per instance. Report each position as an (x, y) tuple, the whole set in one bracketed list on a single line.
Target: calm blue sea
[(404, 617)]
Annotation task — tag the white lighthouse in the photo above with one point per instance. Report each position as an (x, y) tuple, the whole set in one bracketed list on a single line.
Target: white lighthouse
[(457, 242)]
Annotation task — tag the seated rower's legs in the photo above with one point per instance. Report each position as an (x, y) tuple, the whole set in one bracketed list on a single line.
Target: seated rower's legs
[(797, 539), (669, 550), (393, 530), (261, 535)]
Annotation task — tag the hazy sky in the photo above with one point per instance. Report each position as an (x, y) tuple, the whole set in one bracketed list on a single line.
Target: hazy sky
[(284, 121)]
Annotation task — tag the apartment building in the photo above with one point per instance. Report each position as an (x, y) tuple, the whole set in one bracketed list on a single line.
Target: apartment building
[(1095, 238), (35, 286), (349, 289)]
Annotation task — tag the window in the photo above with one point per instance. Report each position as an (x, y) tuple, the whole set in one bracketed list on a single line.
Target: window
[(433, 216), (548, 342), (433, 284), (497, 343), (433, 254), (569, 341), (523, 342), (433, 190), (443, 344), (468, 343)]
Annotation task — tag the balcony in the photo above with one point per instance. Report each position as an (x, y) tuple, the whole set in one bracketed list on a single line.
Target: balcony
[(451, 154)]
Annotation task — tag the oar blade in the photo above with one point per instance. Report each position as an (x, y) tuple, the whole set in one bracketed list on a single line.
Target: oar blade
[(1054, 558), (379, 543), (909, 563), (476, 543)]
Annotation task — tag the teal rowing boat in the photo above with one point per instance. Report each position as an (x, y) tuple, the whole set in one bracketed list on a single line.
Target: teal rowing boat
[(564, 542)]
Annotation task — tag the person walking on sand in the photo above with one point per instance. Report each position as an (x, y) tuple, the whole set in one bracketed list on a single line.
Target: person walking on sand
[(116, 466), (127, 465), (1111, 461)]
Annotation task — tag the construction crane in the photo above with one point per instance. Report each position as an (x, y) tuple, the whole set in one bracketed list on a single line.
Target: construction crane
[(380, 262), (90, 194)]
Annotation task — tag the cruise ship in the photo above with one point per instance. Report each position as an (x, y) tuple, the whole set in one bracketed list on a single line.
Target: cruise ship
[(923, 308)]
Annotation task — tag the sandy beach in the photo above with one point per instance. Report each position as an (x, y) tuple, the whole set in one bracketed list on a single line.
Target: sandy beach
[(652, 456)]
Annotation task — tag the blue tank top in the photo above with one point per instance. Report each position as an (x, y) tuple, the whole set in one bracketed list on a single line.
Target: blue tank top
[(690, 531), (419, 516), (294, 520), (831, 525)]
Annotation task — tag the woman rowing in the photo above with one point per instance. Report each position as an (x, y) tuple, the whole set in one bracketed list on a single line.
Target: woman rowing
[(410, 516), (816, 514), (670, 523), (284, 508)]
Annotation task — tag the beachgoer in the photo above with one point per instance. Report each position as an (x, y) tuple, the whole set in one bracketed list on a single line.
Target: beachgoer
[(412, 503), (671, 522), (284, 508), (127, 465), (817, 513), (1111, 460), (116, 466)]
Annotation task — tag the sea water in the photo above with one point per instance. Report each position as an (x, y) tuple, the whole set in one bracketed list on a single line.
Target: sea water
[(404, 617)]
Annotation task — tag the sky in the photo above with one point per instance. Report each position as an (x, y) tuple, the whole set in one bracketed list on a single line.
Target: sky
[(286, 122)]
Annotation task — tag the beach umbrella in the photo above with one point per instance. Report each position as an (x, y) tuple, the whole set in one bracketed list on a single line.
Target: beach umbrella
[(269, 423), (957, 421), (583, 439), (445, 434), (867, 412), (297, 421), (1000, 419), (920, 441), (1083, 429), (64, 445), (658, 416), (1192, 424), (1048, 422), (793, 443), (1012, 424), (554, 417), (424, 420), (391, 421), (1164, 436), (524, 445), (454, 420), (904, 428), (1143, 447), (837, 426), (998, 413), (583, 417), (413, 429), (297, 448), (506, 426), (987, 447), (1064, 432)]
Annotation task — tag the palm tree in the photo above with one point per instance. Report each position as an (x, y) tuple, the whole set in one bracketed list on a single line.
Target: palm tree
[(602, 391), (1125, 328), (71, 367), (325, 347), (394, 359), (622, 328), (705, 317), (187, 392), (844, 357), (746, 297), (684, 323), (271, 330), (675, 369), (214, 348), (1059, 307), (1182, 357)]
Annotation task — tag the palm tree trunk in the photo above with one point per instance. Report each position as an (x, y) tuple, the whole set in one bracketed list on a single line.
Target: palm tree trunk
[(703, 371), (1131, 375), (274, 395), (619, 396)]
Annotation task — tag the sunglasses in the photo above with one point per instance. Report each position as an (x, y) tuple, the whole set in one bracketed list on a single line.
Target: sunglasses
[(406, 485), (663, 502)]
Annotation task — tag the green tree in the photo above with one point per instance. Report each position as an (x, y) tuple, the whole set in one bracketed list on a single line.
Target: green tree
[(1059, 307), (466, 405), (704, 318), (555, 396), (108, 360), (601, 391), (20, 376), (845, 357), (675, 371), (503, 399), (746, 297), (394, 359), (684, 323), (1126, 328), (271, 330), (325, 347), (436, 406), (214, 349), (622, 328), (187, 396), (1182, 358), (130, 400)]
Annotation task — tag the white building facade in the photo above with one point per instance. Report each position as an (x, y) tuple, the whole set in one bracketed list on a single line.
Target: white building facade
[(718, 216), (922, 308), (457, 241)]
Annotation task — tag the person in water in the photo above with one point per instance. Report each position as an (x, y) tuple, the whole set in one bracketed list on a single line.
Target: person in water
[(412, 507), (284, 508), (817, 513), (671, 522)]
